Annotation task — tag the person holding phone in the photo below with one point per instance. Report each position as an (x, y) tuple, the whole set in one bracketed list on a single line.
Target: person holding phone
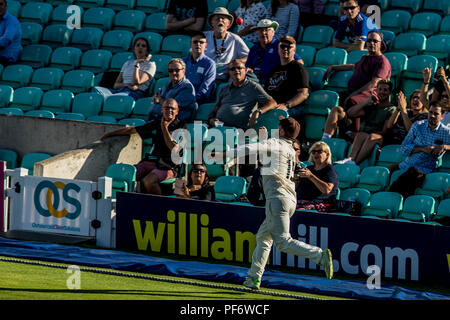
[(197, 186), (135, 75)]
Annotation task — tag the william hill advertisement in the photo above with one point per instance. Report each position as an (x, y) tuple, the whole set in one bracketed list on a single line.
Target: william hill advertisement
[(227, 232)]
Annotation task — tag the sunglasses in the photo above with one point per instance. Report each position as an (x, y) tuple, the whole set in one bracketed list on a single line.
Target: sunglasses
[(170, 108), (174, 70), (350, 8), (372, 41), (444, 96), (198, 41), (317, 151), (285, 46), (237, 68), (199, 170)]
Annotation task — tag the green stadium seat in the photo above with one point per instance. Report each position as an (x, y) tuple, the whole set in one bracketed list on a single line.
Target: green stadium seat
[(355, 55), (383, 204), (338, 148), (176, 45), (442, 7), (16, 75), (204, 111), (321, 99), (78, 81), (6, 95), (118, 107), (412, 78), (410, 43), (118, 60), (315, 77), (390, 154), (99, 17), (417, 208), (12, 111), (233, 5), (47, 78), (439, 47), (120, 5), (10, 157), (396, 21), (90, 3), (412, 6), (156, 22), (154, 39), (59, 14), (338, 81), (229, 188), (443, 210), (313, 122), (445, 26), (331, 10), (162, 62), (435, 185), (360, 195), (38, 12), (150, 6), (31, 158), (27, 98), (102, 119), (86, 38), (56, 35), (31, 33), (326, 57), (374, 178), (317, 36), (96, 60), (394, 176), (40, 114), (87, 103), (57, 101), (213, 4), (131, 20), (445, 165), (14, 8), (70, 116), (117, 40), (161, 83), (66, 58), (132, 122), (388, 38), (399, 62), (142, 108), (123, 176), (425, 22), (36, 55), (270, 120), (307, 53)]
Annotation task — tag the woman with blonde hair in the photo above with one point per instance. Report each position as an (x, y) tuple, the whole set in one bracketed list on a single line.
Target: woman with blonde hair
[(317, 184)]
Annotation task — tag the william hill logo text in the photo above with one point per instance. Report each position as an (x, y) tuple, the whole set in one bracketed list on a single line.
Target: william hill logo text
[(189, 234)]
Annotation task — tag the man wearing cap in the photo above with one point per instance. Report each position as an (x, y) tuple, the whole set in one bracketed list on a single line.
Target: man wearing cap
[(223, 46), (288, 82), (279, 160), (264, 55)]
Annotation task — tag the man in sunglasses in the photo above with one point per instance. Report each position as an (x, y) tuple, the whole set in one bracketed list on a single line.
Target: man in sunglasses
[(288, 82), (200, 69), (353, 26), (241, 102)]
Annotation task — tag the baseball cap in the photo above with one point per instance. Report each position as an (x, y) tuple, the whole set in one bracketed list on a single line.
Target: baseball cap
[(288, 39), (290, 126), (223, 12), (266, 23)]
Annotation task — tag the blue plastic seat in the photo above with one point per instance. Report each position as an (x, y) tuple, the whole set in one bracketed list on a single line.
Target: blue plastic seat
[(47, 78), (66, 58), (56, 35), (118, 107), (154, 39), (57, 101), (338, 81), (156, 22), (410, 43), (40, 114), (435, 185), (150, 6), (396, 21), (70, 116), (99, 17), (118, 60), (439, 47), (87, 103), (356, 194), (86, 38), (338, 148), (425, 22), (445, 165), (444, 28), (412, 6), (96, 60), (78, 81), (229, 188), (307, 53), (36, 55), (90, 3), (326, 57), (131, 20), (383, 204), (60, 15), (162, 62), (12, 111), (442, 7), (38, 12), (27, 98), (120, 5), (315, 77), (117, 40), (176, 45), (388, 38), (417, 208), (355, 55), (142, 108), (399, 62), (14, 8), (6, 95), (270, 120), (16, 75), (317, 36), (31, 33), (390, 155), (10, 157), (347, 175), (374, 178), (123, 176), (203, 111), (31, 158)]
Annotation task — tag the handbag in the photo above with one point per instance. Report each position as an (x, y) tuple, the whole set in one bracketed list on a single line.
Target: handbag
[(345, 206)]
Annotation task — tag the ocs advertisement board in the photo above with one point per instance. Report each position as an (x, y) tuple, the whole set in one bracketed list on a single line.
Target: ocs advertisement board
[(53, 205), (227, 232)]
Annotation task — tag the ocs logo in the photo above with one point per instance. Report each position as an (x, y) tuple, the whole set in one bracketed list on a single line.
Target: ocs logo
[(53, 199)]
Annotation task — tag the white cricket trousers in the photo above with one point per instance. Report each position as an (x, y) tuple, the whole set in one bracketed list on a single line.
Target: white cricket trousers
[(275, 228)]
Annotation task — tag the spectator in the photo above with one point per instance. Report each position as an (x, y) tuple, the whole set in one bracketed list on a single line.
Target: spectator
[(287, 14), (402, 119), (135, 76), (426, 141), (363, 4), (311, 12), (372, 67), (288, 82), (441, 91), (224, 46), (158, 165), (264, 55), (10, 36), (200, 70), (179, 88), (237, 101), (186, 16), (352, 26), (317, 184), (251, 12), (375, 112), (197, 186)]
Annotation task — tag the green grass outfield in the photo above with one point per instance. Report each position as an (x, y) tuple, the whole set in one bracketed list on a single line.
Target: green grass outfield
[(20, 281)]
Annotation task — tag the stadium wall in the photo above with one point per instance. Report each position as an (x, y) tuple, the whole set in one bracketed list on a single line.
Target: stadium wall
[(361, 247)]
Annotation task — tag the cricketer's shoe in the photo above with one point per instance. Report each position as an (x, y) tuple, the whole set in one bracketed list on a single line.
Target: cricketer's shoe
[(327, 263), (252, 283)]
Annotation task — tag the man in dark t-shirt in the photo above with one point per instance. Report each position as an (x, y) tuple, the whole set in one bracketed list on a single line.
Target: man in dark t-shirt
[(158, 165), (186, 16), (288, 82)]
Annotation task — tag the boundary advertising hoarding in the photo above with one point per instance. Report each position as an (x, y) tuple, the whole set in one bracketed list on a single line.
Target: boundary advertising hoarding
[(226, 232)]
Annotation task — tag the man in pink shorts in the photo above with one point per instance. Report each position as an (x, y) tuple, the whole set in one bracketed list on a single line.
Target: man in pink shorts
[(158, 165)]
